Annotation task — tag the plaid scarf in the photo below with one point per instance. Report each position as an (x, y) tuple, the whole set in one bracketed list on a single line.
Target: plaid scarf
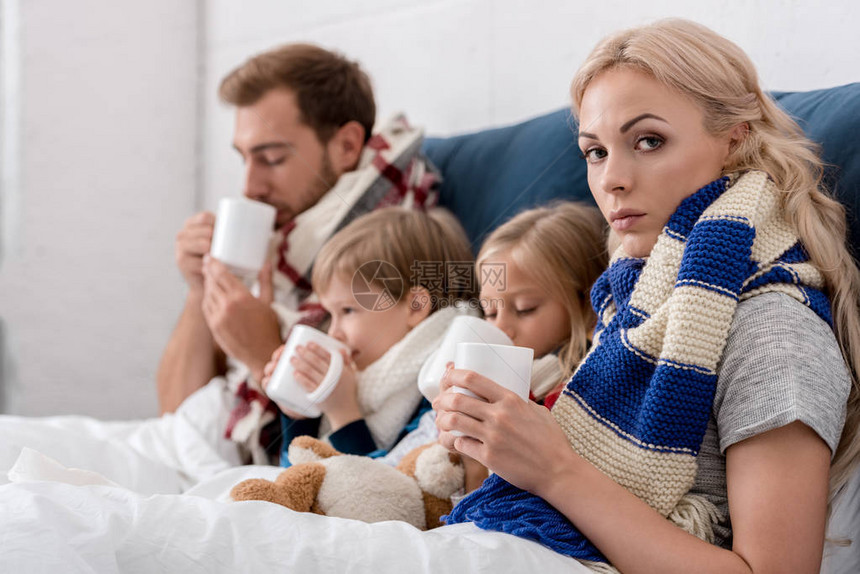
[(392, 171), (638, 406)]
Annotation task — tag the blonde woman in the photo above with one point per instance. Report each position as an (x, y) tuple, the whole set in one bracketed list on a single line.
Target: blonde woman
[(707, 425)]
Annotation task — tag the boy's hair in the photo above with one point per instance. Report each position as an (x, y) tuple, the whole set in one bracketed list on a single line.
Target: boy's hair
[(427, 249), (330, 90), (563, 247)]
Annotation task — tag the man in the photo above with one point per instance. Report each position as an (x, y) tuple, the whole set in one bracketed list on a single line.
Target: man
[(303, 128)]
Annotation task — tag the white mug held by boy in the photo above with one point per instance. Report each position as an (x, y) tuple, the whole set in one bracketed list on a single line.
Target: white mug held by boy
[(388, 341)]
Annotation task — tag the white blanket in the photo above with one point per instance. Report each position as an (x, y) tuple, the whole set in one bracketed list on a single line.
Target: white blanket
[(123, 511), (53, 526), (164, 455), (153, 496)]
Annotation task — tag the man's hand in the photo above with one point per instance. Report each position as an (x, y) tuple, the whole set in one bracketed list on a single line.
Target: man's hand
[(245, 327), (192, 243)]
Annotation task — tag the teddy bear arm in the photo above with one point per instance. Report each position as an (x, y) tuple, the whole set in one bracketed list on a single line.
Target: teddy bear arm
[(252, 489), (296, 487)]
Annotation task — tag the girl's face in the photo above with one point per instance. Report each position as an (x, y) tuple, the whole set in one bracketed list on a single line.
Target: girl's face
[(369, 334), (524, 310), (647, 150)]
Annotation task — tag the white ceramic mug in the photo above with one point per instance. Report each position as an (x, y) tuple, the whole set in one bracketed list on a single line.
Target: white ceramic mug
[(506, 365), (241, 236), (283, 386), (464, 329)]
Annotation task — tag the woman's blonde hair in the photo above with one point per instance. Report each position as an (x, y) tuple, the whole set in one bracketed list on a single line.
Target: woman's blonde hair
[(563, 247), (720, 78), (426, 249)]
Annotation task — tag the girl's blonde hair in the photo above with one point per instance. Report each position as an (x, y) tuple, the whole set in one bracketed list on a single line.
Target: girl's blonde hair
[(563, 247), (426, 249), (719, 77)]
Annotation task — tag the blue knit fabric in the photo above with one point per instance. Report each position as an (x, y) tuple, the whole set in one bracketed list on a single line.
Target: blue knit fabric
[(643, 399)]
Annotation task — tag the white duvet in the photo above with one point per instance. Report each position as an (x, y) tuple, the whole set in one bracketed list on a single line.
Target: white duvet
[(79, 495)]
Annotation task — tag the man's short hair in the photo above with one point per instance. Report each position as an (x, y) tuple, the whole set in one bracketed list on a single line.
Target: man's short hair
[(330, 89)]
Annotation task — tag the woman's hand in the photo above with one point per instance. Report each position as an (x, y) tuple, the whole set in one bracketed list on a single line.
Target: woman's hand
[(311, 363), (518, 440), (777, 485)]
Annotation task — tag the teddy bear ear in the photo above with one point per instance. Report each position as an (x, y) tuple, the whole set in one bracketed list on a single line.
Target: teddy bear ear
[(308, 449), (436, 472)]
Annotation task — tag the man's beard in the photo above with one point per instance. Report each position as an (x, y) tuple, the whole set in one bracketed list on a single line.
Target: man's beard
[(325, 180)]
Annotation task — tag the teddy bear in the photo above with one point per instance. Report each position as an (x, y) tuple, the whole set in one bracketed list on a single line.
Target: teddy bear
[(325, 481)]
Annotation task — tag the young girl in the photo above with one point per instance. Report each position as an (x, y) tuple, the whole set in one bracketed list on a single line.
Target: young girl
[(549, 257), (389, 315), (706, 419)]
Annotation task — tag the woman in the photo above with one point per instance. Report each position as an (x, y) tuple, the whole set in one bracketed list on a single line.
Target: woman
[(728, 341)]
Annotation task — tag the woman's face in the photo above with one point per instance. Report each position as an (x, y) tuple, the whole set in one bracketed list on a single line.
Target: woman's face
[(647, 150)]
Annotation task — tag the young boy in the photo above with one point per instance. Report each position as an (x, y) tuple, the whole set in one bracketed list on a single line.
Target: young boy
[(386, 282)]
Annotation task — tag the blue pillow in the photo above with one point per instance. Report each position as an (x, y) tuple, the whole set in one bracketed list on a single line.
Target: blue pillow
[(492, 175), (831, 118)]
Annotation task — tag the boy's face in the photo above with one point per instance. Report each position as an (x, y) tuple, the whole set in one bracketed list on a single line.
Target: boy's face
[(369, 334)]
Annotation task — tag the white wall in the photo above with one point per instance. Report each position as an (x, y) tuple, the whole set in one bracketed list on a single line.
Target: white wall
[(461, 65), (110, 134), (106, 162)]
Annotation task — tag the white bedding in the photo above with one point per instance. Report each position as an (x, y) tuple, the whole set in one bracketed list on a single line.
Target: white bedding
[(152, 496), (55, 527), (164, 455)]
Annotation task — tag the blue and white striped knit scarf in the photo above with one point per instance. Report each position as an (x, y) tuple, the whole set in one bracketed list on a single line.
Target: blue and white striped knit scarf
[(638, 406)]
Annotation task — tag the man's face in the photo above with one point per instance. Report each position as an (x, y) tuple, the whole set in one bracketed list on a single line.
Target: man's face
[(286, 165)]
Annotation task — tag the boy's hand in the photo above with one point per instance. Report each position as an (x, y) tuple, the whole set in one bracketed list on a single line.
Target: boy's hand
[(270, 366), (311, 363), (267, 376)]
